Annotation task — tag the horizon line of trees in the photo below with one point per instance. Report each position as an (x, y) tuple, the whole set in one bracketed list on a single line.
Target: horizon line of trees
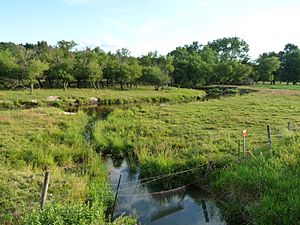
[(222, 61)]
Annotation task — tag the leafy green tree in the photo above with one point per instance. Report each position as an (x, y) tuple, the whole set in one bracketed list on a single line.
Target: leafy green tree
[(35, 69), (62, 61), (240, 72), (134, 72), (291, 63), (87, 68), (153, 75), (64, 71), (153, 59), (94, 73), (24, 55), (193, 66), (8, 67), (231, 48), (267, 66), (232, 72), (115, 72)]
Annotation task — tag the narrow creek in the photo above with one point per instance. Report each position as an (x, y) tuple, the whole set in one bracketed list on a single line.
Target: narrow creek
[(187, 206)]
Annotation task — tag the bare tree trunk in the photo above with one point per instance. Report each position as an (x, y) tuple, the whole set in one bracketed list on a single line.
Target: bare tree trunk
[(94, 85), (40, 82), (65, 85)]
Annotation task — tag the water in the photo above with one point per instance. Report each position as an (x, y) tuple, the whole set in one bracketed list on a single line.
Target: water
[(187, 206)]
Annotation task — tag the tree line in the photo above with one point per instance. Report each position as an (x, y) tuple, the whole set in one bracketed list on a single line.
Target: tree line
[(222, 61)]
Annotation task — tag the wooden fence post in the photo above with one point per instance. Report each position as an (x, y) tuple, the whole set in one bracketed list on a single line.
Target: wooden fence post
[(269, 135), (289, 126), (45, 189), (239, 150), (244, 146), (244, 133), (116, 196)]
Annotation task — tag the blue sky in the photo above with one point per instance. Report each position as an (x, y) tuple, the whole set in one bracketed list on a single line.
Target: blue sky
[(148, 25)]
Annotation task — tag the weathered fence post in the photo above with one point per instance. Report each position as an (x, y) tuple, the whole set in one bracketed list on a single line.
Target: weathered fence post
[(116, 196), (289, 126), (244, 143), (269, 135), (45, 189), (239, 150)]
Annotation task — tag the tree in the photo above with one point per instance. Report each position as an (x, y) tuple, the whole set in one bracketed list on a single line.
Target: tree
[(134, 72), (87, 68), (35, 69), (291, 63), (153, 59), (94, 73), (267, 66), (232, 72), (193, 66), (66, 46), (8, 67), (229, 49), (154, 76), (62, 63), (115, 72)]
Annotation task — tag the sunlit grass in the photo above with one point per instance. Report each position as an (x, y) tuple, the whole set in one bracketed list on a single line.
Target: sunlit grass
[(18, 98), (198, 129), (35, 140), (264, 187), (163, 139)]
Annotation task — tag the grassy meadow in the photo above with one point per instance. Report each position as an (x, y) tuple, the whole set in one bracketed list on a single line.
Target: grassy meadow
[(35, 140), (262, 189), (282, 86), (82, 97), (199, 129), (169, 138)]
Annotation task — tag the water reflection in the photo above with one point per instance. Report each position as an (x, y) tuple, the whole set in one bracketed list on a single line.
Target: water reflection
[(186, 206)]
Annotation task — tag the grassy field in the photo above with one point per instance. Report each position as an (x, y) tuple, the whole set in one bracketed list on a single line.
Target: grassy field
[(279, 86), (173, 131), (71, 97), (35, 140), (169, 138), (161, 139)]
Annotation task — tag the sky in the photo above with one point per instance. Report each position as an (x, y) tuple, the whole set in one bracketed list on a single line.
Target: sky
[(148, 25)]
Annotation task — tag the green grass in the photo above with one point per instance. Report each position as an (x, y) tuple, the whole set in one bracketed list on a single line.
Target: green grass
[(162, 139), (279, 86), (264, 188), (201, 129), (176, 137), (73, 96), (35, 140)]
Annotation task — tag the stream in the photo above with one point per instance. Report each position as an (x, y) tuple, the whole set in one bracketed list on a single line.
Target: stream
[(187, 206)]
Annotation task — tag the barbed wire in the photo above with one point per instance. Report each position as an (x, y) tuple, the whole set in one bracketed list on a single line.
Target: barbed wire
[(155, 178)]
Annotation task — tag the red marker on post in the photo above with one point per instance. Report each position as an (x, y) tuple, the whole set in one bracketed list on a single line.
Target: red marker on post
[(244, 133)]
